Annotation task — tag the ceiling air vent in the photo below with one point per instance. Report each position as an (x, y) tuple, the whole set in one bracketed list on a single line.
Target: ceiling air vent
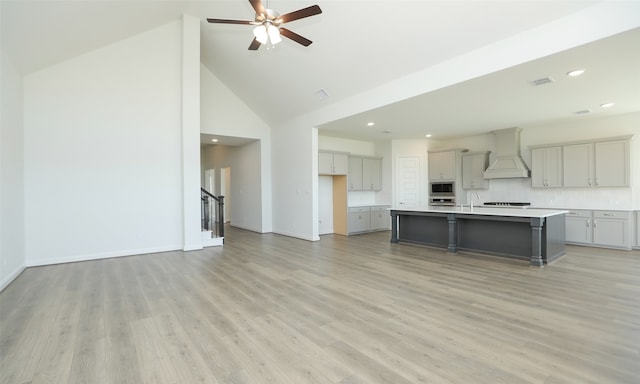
[(321, 94), (542, 81), (583, 112)]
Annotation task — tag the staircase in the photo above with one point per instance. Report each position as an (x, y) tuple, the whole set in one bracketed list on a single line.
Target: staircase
[(212, 208)]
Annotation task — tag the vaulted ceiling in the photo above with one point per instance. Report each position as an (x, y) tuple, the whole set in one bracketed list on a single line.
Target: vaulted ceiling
[(360, 50)]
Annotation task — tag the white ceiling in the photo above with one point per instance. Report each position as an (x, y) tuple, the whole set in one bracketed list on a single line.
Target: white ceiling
[(358, 46)]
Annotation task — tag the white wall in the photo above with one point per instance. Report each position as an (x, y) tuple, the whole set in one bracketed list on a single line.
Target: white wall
[(573, 130), (191, 214), (12, 230), (295, 180), (223, 113), (246, 190), (103, 151)]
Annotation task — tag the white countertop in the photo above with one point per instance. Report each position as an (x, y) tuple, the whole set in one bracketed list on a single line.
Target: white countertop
[(487, 211)]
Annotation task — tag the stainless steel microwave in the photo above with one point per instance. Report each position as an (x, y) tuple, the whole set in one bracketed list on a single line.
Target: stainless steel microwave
[(442, 188)]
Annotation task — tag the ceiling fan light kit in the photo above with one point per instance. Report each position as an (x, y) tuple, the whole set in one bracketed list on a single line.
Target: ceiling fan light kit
[(269, 24)]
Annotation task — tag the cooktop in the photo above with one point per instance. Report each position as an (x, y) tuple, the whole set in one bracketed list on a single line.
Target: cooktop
[(507, 204)]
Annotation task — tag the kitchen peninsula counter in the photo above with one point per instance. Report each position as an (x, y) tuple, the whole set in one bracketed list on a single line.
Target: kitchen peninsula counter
[(537, 235)]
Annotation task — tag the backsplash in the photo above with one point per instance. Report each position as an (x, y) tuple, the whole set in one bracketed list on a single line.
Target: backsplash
[(571, 198), (356, 198)]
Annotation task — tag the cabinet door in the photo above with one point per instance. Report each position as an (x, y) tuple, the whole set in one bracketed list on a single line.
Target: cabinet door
[(359, 219), (473, 167), (578, 227), (340, 164), (637, 228), (612, 161), (577, 165), (325, 163), (553, 166), (355, 174), (442, 166), (538, 168), (610, 232), (380, 218), (611, 228), (371, 174), (546, 169)]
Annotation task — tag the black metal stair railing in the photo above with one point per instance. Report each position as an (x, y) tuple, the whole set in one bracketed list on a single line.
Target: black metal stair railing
[(212, 213)]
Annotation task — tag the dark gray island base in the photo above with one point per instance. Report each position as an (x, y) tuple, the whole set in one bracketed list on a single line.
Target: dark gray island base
[(534, 235)]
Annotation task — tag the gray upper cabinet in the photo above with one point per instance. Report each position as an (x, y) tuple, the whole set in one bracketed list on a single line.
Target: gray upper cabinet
[(473, 166), (442, 166), (354, 177), (371, 174), (612, 163), (365, 173), (600, 164), (546, 167), (577, 163), (331, 163)]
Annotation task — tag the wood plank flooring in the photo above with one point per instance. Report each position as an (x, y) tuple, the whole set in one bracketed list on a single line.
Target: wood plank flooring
[(346, 310)]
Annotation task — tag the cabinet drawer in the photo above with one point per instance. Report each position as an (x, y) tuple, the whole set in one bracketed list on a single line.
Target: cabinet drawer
[(358, 209), (611, 215), (579, 213), (379, 208)]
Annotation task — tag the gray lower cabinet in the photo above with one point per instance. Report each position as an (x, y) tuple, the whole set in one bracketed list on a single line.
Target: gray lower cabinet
[(369, 218), (359, 219), (610, 229), (380, 218), (578, 227), (637, 243)]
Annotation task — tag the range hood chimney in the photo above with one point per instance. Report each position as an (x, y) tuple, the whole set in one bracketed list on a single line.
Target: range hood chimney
[(507, 163)]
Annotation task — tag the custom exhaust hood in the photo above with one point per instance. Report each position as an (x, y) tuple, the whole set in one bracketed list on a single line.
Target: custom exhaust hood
[(507, 163)]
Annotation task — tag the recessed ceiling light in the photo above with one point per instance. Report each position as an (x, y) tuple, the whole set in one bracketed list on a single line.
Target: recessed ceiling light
[(371, 123), (575, 72), (606, 105), (214, 140), (427, 135)]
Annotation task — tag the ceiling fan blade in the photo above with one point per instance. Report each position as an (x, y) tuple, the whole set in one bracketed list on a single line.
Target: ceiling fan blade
[(255, 44), (301, 13), (295, 37), (258, 7), (225, 21)]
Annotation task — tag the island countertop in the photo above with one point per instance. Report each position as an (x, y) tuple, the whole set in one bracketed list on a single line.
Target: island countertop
[(487, 211)]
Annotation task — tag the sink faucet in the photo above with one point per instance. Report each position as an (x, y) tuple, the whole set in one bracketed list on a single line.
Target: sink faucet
[(471, 199)]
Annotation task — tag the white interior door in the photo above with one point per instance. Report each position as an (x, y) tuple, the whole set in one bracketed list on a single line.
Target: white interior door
[(408, 181)]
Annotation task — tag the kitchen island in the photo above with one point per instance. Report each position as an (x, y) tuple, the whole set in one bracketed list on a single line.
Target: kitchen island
[(537, 235)]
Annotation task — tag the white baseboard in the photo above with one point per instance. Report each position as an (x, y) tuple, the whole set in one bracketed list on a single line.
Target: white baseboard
[(296, 235), (102, 255), (213, 242), (12, 276)]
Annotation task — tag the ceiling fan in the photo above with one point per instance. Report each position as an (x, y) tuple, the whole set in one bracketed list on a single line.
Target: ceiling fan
[(269, 24)]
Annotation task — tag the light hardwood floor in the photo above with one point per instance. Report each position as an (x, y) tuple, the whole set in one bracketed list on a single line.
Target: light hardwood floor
[(351, 310)]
